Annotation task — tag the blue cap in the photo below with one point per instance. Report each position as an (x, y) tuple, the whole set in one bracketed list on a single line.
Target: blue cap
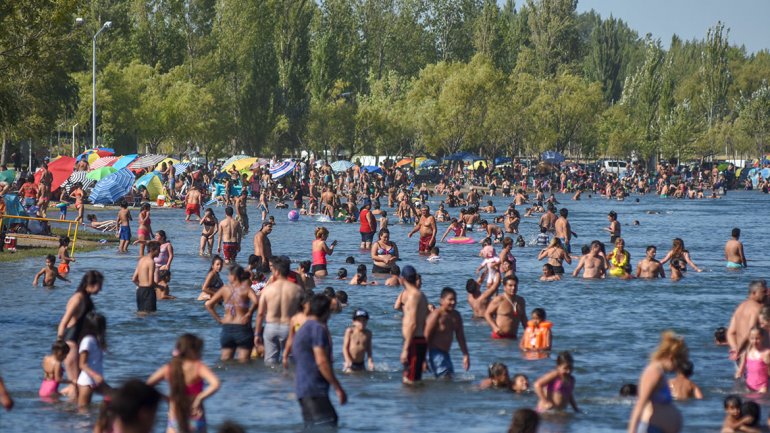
[(409, 273)]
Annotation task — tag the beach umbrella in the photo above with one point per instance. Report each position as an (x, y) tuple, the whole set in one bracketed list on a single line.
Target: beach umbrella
[(404, 162), (146, 161), (100, 173), (61, 169), (240, 164), (124, 161), (92, 155), (341, 165), (232, 159), (152, 182), (168, 161), (470, 157), (765, 172), (105, 161), (282, 168), (181, 167), (8, 176), (75, 177), (261, 162), (428, 163), (372, 169), (320, 162), (113, 187), (552, 157)]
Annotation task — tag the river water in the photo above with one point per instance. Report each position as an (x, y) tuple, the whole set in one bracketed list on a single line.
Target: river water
[(611, 326)]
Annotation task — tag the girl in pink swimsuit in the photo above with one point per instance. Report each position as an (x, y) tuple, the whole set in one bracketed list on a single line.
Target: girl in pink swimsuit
[(755, 363), (52, 370), (555, 388)]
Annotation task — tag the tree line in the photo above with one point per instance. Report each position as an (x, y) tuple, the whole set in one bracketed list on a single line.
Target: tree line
[(375, 77)]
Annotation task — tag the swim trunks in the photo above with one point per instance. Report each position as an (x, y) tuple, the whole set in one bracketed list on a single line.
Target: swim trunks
[(125, 233), (380, 270), (358, 366), (440, 363), (236, 336), (197, 425), (318, 412), (230, 250), (274, 336), (193, 209), (426, 244), (64, 268), (415, 358), (367, 237), (644, 427), (733, 265), (567, 245), (146, 300), (497, 336)]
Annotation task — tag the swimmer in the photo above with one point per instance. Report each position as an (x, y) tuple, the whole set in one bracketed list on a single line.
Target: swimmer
[(497, 377), (593, 263), (53, 370), (734, 419), (649, 267), (357, 344), (434, 255), (477, 300), (614, 227), (682, 388), (213, 281), (442, 325), (505, 312), (755, 363), (537, 335), (628, 390), (720, 336), (548, 274), (64, 255), (619, 260), (393, 280), (49, 273), (457, 227), (520, 383), (360, 278), (734, 255), (555, 389), (162, 290), (123, 227)]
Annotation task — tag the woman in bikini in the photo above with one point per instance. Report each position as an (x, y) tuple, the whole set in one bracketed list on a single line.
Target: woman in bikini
[(71, 323), (213, 281), (679, 252), (77, 193), (144, 232), (240, 303), (208, 234), (556, 255), (384, 253), (166, 256)]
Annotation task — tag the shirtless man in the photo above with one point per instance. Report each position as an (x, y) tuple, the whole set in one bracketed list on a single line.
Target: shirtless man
[(415, 308), (505, 312), (124, 227), (240, 206), (649, 266), (192, 203), (745, 317), (614, 227), (477, 299), (473, 197), (734, 256), (428, 230), (144, 278), (442, 324), (564, 229), (548, 220), (262, 247), (279, 300), (230, 235), (592, 264), (327, 198), (493, 232)]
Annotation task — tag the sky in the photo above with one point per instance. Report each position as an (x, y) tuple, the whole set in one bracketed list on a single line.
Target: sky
[(748, 20)]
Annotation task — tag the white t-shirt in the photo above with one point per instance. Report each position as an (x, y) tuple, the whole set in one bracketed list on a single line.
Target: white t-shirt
[(95, 356)]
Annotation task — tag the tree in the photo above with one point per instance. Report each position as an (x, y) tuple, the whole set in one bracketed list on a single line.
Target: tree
[(606, 57), (754, 118), (714, 74), (680, 130), (554, 38), (618, 133)]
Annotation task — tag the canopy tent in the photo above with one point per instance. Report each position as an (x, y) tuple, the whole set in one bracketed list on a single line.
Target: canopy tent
[(462, 156), (477, 164), (503, 160), (105, 161), (100, 173), (77, 177), (8, 176), (124, 161), (167, 160), (233, 158), (428, 163), (240, 164), (372, 169), (152, 182), (341, 165), (113, 187), (282, 169), (61, 168), (146, 161), (552, 157)]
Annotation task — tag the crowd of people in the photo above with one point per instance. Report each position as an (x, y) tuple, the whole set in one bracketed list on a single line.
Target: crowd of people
[(268, 310)]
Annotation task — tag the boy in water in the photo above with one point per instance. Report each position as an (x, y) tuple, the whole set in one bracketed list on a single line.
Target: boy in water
[(64, 255), (442, 324), (682, 388), (162, 290), (360, 278), (505, 312), (50, 272), (124, 229), (357, 344), (434, 255), (395, 272)]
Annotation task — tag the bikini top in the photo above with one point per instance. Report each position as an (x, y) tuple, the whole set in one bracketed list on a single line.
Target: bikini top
[(231, 304), (216, 282), (384, 252), (209, 222), (563, 387), (194, 388)]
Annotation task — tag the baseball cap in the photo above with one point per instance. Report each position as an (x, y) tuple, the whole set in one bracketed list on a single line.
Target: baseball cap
[(367, 202), (360, 314), (409, 273)]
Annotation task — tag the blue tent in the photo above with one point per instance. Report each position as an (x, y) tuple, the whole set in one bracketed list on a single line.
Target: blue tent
[(372, 169), (502, 160), (552, 157)]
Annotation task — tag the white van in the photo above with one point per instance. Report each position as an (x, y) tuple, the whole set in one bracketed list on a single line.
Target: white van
[(620, 168)]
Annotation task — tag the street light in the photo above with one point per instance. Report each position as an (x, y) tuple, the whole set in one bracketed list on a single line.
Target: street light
[(73, 138), (106, 25)]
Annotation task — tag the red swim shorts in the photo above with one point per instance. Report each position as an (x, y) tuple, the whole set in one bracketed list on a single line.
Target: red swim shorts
[(426, 244), (193, 209), (415, 359), (497, 336), (230, 250)]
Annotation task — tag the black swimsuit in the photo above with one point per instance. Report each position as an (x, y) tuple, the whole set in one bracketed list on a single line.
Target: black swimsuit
[(72, 333)]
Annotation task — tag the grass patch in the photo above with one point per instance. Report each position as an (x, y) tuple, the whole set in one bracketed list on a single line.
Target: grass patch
[(27, 252), (87, 235)]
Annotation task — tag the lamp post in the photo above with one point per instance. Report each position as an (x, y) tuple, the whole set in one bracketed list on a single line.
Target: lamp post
[(73, 138), (106, 25)]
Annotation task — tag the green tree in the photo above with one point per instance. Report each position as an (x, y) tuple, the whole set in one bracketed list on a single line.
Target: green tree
[(714, 74), (552, 24), (754, 118)]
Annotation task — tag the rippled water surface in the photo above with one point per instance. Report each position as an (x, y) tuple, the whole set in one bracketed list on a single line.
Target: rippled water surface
[(610, 326)]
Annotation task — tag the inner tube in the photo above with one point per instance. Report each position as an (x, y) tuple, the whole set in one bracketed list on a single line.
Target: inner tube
[(461, 240)]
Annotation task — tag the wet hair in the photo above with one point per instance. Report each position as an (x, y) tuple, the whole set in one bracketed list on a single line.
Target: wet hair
[(50, 258), (686, 368), (628, 390), (549, 268), (305, 266), (512, 278), (131, 399), (677, 247), (342, 273), (563, 212), (613, 214), (446, 291), (497, 369), (524, 421), (736, 233), (229, 211), (321, 232), (350, 260), (565, 358), (341, 296), (752, 410), (239, 273), (651, 247), (319, 305), (361, 269), (90, 278), (60, 346), (329, 292), (164, 275), (471, 285), (91, 217), (673, 346), (585, 249), (395, 270), (540, 312), (720, 334), (434, 251), (162, 234), (732, 400), (188, 348), (64, 241), (214, 259), (95, 324), (543, 229), (124, 204)]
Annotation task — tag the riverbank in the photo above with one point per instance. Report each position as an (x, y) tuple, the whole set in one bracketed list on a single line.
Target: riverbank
[(31, 246)]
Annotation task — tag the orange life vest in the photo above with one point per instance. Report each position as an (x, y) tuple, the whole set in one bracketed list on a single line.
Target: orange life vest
[(537, 337)]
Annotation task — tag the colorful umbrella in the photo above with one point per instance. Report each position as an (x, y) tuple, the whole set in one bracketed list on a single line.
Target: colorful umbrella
[(100, 173), (78, 176), (168, 161), (113, 187), (281, 169), (124, 161), (92, 155), (428, 163), (241, 164), (145, 161), (181, 167), (403, 162), (152, 182), (232, 159), (341, 165), (61, 169), (105, 161), (372, 169), (261, 162)]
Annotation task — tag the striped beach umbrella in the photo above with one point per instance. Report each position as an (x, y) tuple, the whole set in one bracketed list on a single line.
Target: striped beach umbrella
[(113, 187), (146, 161), (181, 167), (341, 165), (75, 177), (282, 169), (105, 161)]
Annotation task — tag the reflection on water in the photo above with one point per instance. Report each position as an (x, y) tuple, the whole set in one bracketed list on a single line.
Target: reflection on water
[(611, 326)]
